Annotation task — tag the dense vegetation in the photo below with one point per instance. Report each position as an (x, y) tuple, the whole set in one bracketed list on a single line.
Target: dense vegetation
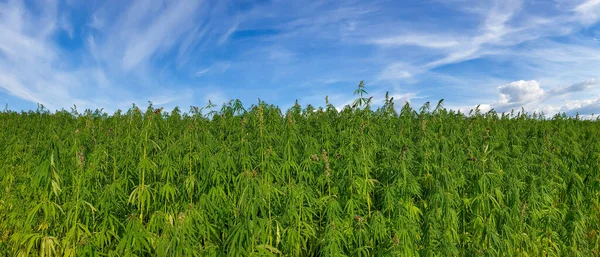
[(304, 182)]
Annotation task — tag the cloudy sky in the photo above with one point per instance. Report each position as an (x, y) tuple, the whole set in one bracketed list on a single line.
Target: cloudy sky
[(543, 55)]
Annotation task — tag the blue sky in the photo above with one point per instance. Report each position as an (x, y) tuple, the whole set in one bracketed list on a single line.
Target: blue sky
[(543, 55)]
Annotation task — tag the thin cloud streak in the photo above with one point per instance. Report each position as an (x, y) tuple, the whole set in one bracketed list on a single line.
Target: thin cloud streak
[(202, 72)]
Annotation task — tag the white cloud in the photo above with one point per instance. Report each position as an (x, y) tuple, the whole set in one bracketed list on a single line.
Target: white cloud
[(101, 78), (514, 36), (192, 39), (585, 107), (26, 57), (504, 25), (93, 49), (228, 33), (96, 23), (577, 87), (216, 96), (136, 47), (485, 40), (31, 64), (279, 53), (168, 25), (466, 109), (329, 80), (13, 86), (66, 26), (403, 98), (532, 97), (217, 67), (396, 71), (202, 72), (588, 12), (493, 29), (520, 92)]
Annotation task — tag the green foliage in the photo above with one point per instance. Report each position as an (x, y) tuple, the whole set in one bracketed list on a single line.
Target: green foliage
[(305, 182)]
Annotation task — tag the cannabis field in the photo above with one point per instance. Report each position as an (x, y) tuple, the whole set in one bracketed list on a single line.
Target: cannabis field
[(308, 181)]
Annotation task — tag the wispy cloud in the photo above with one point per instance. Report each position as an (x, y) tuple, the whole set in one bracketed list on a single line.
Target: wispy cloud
[(95, 54), (588, 11), (202, 72), (396, 71), (66, 25), (95, 22), (35, 68), (281, 54), (428, 41), (166, 28), (215, 68), (228, 33)]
